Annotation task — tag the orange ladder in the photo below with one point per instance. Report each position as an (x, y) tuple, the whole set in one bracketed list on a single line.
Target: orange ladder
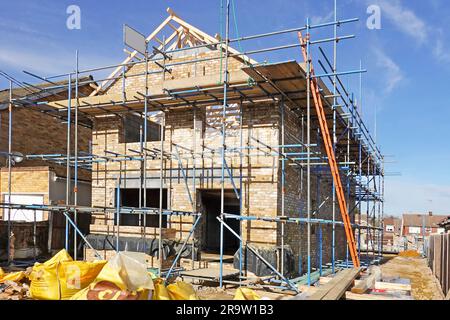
[(331, 158)]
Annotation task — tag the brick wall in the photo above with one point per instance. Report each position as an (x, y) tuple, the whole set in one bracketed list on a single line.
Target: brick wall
[(135, 82), (33, 180), (34, 132), (262, 173), (296, 200), (259, 184)]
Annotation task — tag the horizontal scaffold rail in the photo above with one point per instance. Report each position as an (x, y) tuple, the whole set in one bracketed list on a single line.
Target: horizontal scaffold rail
[(123, 210), (295, 220)]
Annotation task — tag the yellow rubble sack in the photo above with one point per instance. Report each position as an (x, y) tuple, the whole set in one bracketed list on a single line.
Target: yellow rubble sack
[(15, 276), (76, 275), (161, 292), (44, 282), (61, 277), (246, 294), (181, 291), (61, 256), (44, 277), (2, 273), (122, 278)]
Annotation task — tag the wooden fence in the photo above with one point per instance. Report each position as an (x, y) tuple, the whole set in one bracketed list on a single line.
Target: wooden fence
[(438, 251)]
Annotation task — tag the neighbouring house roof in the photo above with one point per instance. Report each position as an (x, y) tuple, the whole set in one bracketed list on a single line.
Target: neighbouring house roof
[(445, 223), (419, 220), (389, 220), (40, 91)]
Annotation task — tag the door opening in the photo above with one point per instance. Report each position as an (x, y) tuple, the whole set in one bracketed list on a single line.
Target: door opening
[(210, 200)]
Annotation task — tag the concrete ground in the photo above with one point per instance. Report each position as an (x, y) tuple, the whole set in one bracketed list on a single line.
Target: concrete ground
[(423, 283)]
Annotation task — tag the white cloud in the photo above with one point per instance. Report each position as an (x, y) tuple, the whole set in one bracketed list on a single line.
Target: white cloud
[(408, 22), (439, 51), (405, 20), (34, 61), (392, 73), (46, 63), (329, 17)]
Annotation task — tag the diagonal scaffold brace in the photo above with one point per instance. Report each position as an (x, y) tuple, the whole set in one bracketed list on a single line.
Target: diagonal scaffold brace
[(330, 154)]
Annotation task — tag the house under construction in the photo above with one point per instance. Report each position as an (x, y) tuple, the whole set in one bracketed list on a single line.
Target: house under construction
[(216, 165)]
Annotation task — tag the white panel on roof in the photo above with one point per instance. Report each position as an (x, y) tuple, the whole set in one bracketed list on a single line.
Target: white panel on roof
[(134, 39)]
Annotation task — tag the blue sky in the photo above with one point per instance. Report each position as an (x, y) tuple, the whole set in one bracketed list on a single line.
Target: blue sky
[(405, 89)]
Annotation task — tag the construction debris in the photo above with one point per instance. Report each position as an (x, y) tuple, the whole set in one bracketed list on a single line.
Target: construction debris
[(10, 290), (369, 281), (368, 287)]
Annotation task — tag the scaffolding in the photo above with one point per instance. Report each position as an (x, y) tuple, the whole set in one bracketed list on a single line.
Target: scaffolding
[(360, 175)]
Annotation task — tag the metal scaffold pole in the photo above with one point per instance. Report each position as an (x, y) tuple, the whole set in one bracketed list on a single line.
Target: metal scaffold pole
[(368, 210), (119, 182), (69, 112), (144, 151), (348, 176), (359, 179), (308, 147), (194, 179), (224, 114), (161, 183), (161, 171), (360, 188), (75, 188), (241, 193), (333, 186), (283, 182), (10, 119), (382, 201)]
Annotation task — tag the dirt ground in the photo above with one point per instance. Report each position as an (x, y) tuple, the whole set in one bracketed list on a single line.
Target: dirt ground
[(423, 284)]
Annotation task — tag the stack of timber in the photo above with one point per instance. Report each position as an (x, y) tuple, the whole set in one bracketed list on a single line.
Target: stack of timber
[(333, 289), (371, 287), (355, 284), (368, 281)]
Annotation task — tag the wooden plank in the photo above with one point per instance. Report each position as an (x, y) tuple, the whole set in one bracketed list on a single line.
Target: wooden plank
[(368, 282), (354, 296), (208, 38), (341, 287), (336, 288), (392, 286), (322, 290), (305, 294), (325, 280), (235, 77)]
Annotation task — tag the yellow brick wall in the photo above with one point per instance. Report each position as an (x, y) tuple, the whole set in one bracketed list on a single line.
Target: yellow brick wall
[(259, 188), (33, 180), (262, 173), (135, 82), (36, 133)]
